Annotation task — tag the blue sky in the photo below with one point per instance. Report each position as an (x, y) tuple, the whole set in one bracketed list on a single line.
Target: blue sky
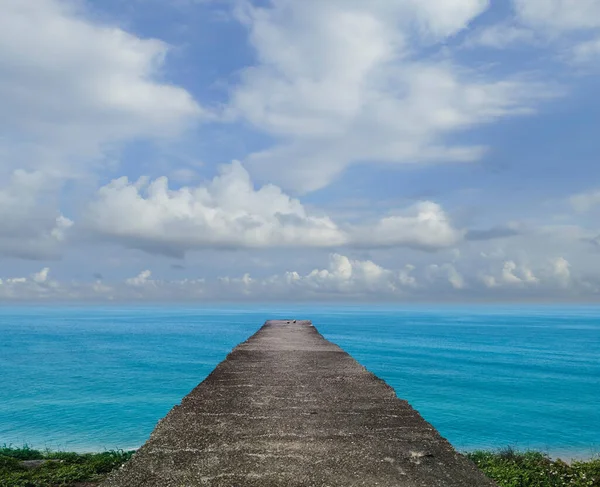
[(284, 149)]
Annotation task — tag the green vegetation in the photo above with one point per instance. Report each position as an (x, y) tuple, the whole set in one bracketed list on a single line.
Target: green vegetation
[(507, 467), (533, 469), (59, 469)]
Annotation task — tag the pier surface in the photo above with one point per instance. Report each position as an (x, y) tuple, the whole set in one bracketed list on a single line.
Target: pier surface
[(289, 408)]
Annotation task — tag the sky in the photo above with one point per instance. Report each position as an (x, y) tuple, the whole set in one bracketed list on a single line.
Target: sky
[(300, 150)]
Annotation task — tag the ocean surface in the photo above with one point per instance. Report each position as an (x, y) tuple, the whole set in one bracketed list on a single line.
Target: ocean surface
[(92, 378)]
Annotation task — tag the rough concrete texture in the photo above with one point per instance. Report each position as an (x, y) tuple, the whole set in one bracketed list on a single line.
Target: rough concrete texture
[(289, 408)]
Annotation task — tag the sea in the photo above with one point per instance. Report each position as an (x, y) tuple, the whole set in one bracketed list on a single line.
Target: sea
[(88, 378)]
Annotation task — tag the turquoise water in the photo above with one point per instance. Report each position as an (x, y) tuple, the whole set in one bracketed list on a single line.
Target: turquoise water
[(87, 379)]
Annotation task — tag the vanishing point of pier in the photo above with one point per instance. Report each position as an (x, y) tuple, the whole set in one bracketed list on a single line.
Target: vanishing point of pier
[(289, 408)]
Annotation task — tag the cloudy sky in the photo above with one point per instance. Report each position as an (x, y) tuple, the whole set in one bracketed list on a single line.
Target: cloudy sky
[(390, 150)]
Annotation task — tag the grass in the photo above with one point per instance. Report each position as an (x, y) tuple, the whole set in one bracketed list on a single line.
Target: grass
[(66, 469), (509, 468)]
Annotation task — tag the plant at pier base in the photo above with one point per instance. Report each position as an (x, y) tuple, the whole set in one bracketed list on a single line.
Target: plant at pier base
[(19, 469), (533, 469), (507, 467)]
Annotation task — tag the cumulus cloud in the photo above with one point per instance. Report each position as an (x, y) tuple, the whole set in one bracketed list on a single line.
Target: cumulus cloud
[(71, 89), (30, 226), (230, 212), (35, 287), (509, 276), (336, 81), (448, 273), (343, 278), (489, 281), (424, 225), (140, 280), (226, 212), (76, 85), (514, 275), (406, 278), (42, 276), (347, 276)]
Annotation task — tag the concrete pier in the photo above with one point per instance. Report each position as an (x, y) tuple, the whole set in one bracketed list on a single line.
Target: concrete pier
[(289, 408)]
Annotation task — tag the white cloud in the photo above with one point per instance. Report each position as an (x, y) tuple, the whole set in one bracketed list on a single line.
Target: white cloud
[(226, 212), (343, 278), (572, 27), (348, 276), (16, 280), (141, 279), (441, 18), (71, 90), (35, 287), (489, 281), (512, 274), (424, 225), (575, 22), (586, 51), (509, 276), (380, 87), (499, 36), (559, 15), (30, 227), (455, 278), (229, 212), (405, 277), (448, 273), (527, 275), (42, 276), (586, 201), (507, 273), (75, 85), (337, 82)]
